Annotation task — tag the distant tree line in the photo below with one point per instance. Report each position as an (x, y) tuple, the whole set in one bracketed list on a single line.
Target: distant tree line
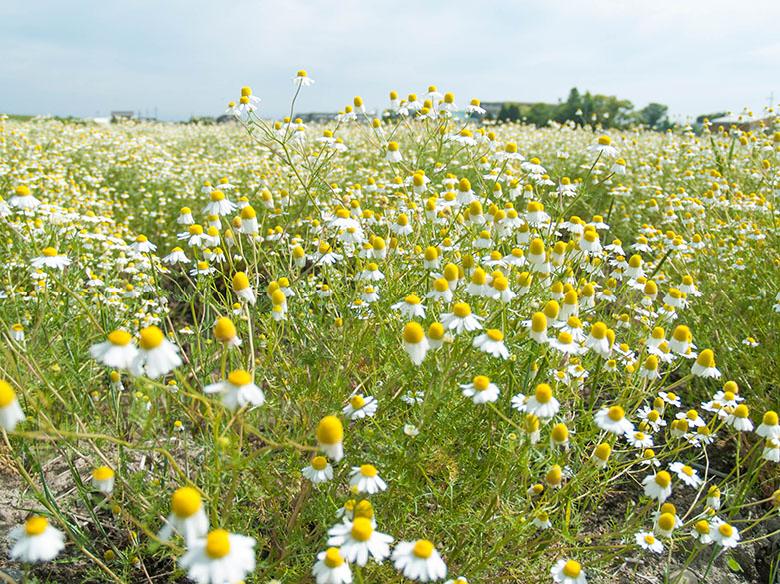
[(587, 109)]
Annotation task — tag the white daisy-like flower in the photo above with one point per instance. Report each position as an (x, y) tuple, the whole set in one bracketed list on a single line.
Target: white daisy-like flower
[(187, 517), (118, 351), (35, 541), (461, 319), (419, 560), (331, 568), (219, 558), (23, 198), (647, 541), (177, 256), (360, 407), (415, 342), (319, 471), (481, 390), (658, 486), (365, 479), (238, 390), (568, 572), (613, 419), (10, 411), (410, 307), (302, 79), (358, 541), (51, 259), (157, 355), (542, 404), (492, 343), (723, 533)]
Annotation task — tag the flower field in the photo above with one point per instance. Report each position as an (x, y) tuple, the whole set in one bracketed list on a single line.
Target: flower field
[(405, 346)]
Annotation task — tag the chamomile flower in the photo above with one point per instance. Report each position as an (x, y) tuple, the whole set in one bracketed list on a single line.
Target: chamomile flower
[(769, 426), (10, 411), (358, 541), (23, 198), (51, 258), (658, 486), (647, 541), (603, 146), (415, 343), (723, 533), (365, 479), (360, 406), (157, 355), (492, 343), (568, 572), (302, 79), (103, 479), (187, 518), (35, 541), (219, 558), (481, 390), (177, 256), (686, 474), (542, 403), (739, 419), (410, 307), (419, 560), (331, 568), (225, 332), (238, 390), (330, 436), (319, 470), (613, 420), (705, 365), (118, 351)]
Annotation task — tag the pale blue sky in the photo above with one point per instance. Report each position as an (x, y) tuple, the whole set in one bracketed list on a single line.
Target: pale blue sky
[(85, 58)]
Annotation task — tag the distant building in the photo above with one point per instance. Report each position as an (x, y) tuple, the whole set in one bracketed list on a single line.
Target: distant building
[(119, 116), (743, 121)]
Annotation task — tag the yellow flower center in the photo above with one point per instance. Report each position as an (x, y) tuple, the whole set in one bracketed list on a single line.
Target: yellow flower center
[(461, 309), (239, 377), (538, 322), (151, 338), (7, 394), (319, 463), (119, 337), (616, 413), (102, 473), (605, 140), (333, 558), (666, 521), (49, 252), (361, 529), (481, 382), (224, 329), (543, 393), (725, 530), (423, 549), (663, 479), (706, 358), (35, 525), (413, 333), (218, 544), (495, 335), (186, 502), (330, 430), (572, 569)]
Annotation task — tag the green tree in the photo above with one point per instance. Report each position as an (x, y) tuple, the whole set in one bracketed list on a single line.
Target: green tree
[(654, 115)]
